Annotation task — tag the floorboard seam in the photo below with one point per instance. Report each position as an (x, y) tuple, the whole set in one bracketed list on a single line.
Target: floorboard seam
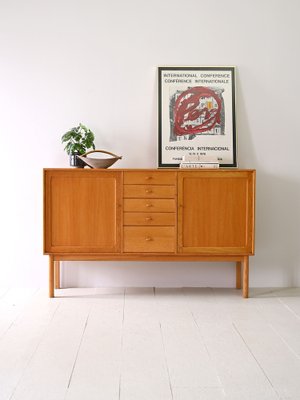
[(256, 360), (289, 308), (121, 345), (17, 316), (284, 342), (34, 352), (203, 341), (164, 348), (78, 350)]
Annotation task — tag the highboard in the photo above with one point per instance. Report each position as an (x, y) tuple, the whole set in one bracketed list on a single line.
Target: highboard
[(149, 215)]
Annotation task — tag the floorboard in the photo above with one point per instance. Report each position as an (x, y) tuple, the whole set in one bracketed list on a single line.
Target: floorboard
[(144, 373), (49, 371), (12, 304), (96, 375), (150, 344)]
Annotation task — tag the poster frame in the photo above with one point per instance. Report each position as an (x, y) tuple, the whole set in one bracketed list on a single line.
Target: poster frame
[(165, 110)]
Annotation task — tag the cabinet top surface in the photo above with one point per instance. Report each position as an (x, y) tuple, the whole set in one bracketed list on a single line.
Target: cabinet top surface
[(147, 169)]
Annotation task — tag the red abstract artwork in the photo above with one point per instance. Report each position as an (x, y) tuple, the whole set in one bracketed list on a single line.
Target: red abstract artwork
[(196, 111)]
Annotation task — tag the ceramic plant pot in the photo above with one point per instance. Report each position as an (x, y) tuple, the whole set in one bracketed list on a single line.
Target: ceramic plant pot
[(75, 161)]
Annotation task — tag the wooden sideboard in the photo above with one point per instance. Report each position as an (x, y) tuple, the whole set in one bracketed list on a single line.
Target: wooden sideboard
[(149, 215)]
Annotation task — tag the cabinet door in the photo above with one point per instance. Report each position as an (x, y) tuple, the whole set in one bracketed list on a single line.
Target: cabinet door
[(216, 212), (82, 211)]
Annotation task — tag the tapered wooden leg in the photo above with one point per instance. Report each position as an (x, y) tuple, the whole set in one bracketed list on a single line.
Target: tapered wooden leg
[(57, 274), (238, 275), (51, 276), (246, 277)]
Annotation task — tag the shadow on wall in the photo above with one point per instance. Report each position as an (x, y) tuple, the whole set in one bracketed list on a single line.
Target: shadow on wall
[(278, 228), (277, 255), (147, 274), (277, 259), (275, 264)]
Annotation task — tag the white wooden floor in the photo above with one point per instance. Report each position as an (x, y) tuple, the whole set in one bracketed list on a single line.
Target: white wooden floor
[(150, 344)]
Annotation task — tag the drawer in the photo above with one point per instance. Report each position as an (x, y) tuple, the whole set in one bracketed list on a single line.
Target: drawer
[(140, 218), (149, 191), (150, 239), (149, 177), (149, 205)]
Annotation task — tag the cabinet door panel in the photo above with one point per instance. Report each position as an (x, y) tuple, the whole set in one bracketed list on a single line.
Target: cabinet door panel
[(216, 212), (82, 212)]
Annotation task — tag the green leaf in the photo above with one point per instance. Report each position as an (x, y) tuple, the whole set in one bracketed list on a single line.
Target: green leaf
[(69, 148), (78, 139), (83, 127), (67, 136)]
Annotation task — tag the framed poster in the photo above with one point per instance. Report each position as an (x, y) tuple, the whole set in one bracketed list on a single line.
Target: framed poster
[(196, 115)]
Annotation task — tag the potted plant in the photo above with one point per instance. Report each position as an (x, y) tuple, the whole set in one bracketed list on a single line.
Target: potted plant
[(78, 140)]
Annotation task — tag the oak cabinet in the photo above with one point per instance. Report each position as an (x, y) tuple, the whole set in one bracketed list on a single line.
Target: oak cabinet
[(216, 212), (83, 212), (149, 239), (154, 215), (149, 212)]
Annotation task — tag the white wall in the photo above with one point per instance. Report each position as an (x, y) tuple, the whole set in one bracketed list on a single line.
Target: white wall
[(65, 62)]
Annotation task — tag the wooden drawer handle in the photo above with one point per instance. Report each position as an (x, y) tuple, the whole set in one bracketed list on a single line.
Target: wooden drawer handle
[(148, 191), (148, 205), (148, 239), (148, 218), (148, 178)]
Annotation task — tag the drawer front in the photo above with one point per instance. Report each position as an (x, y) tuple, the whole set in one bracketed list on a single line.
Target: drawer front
[(149, 205), (149, 239), (149, 178), (140, 218), (149, 191)]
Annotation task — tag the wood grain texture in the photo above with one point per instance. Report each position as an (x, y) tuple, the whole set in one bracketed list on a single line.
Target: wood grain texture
[(82, 211), (149, 191), (246, 277), (238, 275), (149, 239), (150, 177), (216, 212), (140, 218), (51, 276), (149, 205), (57, 274), (137, 215), (147, 257)]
